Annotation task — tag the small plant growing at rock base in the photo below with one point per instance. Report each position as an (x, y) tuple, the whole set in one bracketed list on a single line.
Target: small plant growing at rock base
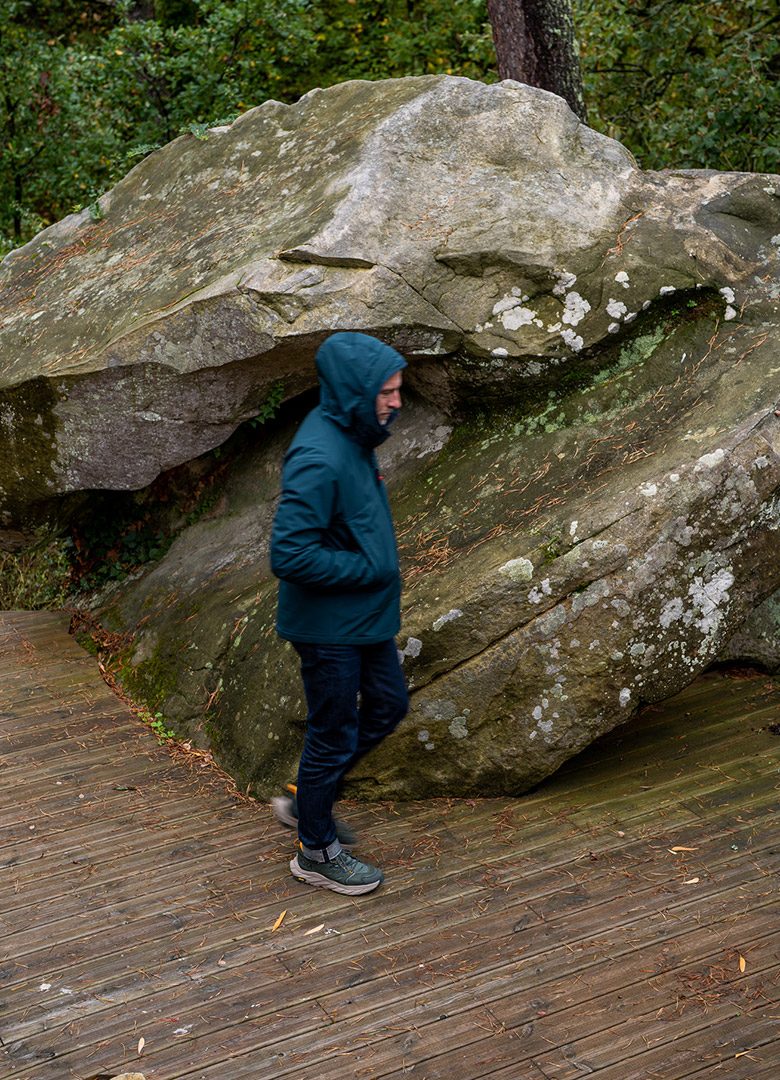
[(552, 549), (38, 577), (270, 406), (158, 726)]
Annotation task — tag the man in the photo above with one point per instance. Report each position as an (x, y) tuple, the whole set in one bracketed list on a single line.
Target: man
[(333, 549)]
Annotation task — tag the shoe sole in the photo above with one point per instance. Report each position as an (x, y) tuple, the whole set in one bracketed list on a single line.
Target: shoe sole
[(311, 877), (280, 808)]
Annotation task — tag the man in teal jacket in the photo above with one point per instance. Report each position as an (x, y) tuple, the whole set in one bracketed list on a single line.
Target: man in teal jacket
[(333, 549)]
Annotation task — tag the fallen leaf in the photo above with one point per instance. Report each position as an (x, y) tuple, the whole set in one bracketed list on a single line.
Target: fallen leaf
[(222, 962), (691, 881), (674, 850), (741, 962), (279, 921), (315, 929), (141, 1045)]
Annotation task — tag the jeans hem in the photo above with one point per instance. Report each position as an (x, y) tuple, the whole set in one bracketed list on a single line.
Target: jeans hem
[(322, 855)]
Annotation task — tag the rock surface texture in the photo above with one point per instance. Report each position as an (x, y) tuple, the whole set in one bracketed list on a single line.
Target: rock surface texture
[(586, 481), (758, 639)]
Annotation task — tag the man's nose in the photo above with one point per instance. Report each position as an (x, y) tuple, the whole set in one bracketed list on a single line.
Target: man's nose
[(395, 399)]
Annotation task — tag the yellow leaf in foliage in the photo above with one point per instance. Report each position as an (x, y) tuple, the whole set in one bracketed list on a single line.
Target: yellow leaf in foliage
[(279, 921), (741, 962)]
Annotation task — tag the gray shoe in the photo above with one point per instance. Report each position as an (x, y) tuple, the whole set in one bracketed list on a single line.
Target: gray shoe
[(285, 810), (344, 874)]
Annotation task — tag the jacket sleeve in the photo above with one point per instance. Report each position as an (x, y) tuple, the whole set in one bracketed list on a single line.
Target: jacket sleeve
[(305, 511)]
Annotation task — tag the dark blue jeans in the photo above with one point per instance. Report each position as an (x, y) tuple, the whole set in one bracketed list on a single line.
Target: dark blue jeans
[(339, 730)]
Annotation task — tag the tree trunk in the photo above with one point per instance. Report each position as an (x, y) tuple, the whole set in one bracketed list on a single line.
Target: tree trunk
[(535, 44)]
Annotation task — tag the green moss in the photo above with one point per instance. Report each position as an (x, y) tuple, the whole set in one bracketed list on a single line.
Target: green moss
[(27, 465), (151, 681), (553, 548), (636, 351), (87, 642)]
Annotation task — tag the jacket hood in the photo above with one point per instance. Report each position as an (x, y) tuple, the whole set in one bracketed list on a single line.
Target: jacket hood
[(353, 368)]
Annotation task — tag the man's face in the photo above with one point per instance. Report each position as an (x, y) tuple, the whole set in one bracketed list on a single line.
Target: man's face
[(389, 398)]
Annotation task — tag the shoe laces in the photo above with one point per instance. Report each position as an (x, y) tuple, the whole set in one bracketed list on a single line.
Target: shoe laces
[(347, 861)]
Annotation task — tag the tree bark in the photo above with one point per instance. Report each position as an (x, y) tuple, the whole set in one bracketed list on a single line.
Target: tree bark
[(535, 44)]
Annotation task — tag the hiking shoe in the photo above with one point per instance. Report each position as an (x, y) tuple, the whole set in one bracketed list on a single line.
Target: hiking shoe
[(285, 810), (344, 874)]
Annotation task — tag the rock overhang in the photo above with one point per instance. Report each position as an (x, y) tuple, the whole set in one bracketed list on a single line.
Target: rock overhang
[(431, 211)]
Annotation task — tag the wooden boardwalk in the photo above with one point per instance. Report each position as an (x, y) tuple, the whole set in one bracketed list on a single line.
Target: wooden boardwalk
[(621, 921)]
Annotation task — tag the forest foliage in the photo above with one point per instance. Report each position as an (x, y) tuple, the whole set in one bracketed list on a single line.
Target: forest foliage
[(87, 88)]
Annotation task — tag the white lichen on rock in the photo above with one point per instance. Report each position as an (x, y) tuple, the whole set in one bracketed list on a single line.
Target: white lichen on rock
[(433, 441), (709, 461), (536, 594), (616, 308), (672, 612), (575, 309), (598, 590), (704, 608), (518, 569), (565, 281), (574, 341), (457, 727), (453, 613), (517, 317), (412, 649), (511, 313), (709, 598)]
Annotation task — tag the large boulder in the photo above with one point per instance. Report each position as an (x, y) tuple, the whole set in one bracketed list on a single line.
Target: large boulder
[(587, 479), (757, 641)]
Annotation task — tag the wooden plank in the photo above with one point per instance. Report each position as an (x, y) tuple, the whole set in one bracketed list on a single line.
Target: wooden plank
[(710, 1041), (277, 995), (44, 1062), (15, 944), (484, 897), (614, 1006), (409, 1042)]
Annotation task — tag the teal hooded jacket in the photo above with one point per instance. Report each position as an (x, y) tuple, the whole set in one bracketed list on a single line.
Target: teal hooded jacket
[(333, 544)]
